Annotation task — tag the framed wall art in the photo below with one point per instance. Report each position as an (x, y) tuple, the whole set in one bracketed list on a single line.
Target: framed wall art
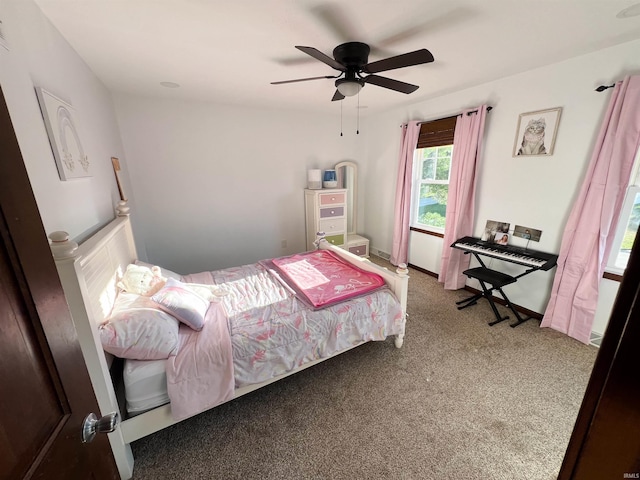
[(536, 132), (62, 129)]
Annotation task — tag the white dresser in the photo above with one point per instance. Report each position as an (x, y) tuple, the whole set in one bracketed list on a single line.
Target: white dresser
[(326, 211)]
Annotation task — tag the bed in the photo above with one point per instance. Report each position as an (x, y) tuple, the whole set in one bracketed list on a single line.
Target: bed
[(89, 278)]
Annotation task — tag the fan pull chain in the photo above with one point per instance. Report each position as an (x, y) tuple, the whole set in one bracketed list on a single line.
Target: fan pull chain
[(358, 120), (341, 117)]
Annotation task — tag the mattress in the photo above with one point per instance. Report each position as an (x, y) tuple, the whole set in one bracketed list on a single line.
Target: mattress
[(145, 385)]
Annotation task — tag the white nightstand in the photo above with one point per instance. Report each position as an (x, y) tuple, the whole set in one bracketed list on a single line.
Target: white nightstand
[(358, 245)]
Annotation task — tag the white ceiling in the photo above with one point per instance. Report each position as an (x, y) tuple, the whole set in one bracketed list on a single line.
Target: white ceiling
[(230, 50)]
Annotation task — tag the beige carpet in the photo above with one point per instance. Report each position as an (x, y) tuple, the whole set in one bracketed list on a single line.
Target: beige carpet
[(460, 400)]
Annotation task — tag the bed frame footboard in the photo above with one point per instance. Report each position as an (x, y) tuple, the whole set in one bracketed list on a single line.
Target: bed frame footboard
[(397, 281)]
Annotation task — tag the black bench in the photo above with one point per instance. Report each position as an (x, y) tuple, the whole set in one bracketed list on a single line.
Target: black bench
[(496, 280)]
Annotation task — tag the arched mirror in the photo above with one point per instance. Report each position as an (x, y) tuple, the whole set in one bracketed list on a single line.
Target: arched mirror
[(347, 173)]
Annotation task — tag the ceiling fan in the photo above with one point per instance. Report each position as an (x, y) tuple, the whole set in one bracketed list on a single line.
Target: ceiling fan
[(351, 60)]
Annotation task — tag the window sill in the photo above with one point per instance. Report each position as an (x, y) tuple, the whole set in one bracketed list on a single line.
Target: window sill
[(427, 232), (613, 275)]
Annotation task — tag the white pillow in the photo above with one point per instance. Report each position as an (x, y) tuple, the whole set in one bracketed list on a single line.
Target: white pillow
[(137, 329), (188, 307)]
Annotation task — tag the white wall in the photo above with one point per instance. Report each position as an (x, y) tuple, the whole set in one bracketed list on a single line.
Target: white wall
[(218, 185), (39, 56), (537, 191)]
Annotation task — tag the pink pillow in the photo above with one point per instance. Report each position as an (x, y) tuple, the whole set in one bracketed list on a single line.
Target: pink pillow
[(188, 307), (137, 329)]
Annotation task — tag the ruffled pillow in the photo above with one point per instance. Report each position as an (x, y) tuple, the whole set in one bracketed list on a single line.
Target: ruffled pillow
[(163, 271), (137, 329), (187, 306)]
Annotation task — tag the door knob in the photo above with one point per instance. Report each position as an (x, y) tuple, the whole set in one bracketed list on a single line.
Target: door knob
[(92, 425)]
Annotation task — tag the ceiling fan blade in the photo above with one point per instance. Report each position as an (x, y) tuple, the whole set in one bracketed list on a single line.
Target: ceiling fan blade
[(318, 55), (400, 61), (335, 18), (391, 84), (337, 96), (446, 18), (300, 80)]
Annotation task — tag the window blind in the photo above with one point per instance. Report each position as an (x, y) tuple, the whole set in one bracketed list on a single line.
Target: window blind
[(437, 132)]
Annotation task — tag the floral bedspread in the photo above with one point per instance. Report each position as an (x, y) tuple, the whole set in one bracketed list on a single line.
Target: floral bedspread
[(273, 332)]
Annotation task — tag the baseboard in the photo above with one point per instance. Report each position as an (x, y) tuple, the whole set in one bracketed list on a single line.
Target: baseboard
[(424, 270), (499, 300), (595, 340)]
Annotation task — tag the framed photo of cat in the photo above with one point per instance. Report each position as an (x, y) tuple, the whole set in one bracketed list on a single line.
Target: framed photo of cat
[(536, 133)]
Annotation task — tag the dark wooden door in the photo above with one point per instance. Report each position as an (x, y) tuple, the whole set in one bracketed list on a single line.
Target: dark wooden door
[(45, 391)]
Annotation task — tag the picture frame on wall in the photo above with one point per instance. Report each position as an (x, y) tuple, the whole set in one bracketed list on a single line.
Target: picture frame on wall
[(536, 132), (62, 129)]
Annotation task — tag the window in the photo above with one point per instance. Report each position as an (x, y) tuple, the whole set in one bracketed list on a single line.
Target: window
[(432, 167), (626, 231), (627, 228), (431, 170)]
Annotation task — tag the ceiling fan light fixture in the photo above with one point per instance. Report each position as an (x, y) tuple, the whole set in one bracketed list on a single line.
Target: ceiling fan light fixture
[(349, 88)]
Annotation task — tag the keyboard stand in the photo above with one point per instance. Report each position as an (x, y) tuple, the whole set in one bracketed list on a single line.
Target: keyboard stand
[(496, 280), (491, 280)]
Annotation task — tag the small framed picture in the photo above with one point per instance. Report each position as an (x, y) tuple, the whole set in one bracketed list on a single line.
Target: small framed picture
[(527, 233), (502, 238), (536, 133), (496, 232)]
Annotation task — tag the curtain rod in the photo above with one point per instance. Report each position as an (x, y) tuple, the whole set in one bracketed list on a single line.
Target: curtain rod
[(602, 88), (453, 116), (476, 111)]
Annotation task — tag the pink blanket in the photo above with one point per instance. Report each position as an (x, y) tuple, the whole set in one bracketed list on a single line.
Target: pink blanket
[(200, 376), (323, 279)]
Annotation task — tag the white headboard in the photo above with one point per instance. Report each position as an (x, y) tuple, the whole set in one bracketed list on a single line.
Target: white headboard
[(89, 278)]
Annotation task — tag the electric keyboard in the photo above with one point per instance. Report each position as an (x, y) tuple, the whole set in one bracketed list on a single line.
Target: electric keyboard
[(508, 253)]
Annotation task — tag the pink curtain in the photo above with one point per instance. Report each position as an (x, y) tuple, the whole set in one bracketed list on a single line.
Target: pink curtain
[(402, 211), (467, 142), (589, 232)]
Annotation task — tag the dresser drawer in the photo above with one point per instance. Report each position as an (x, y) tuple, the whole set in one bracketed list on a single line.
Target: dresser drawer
[(332, 225), (360, 250), (332, 212), (335, 239), (332, 198), (357, 245)]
